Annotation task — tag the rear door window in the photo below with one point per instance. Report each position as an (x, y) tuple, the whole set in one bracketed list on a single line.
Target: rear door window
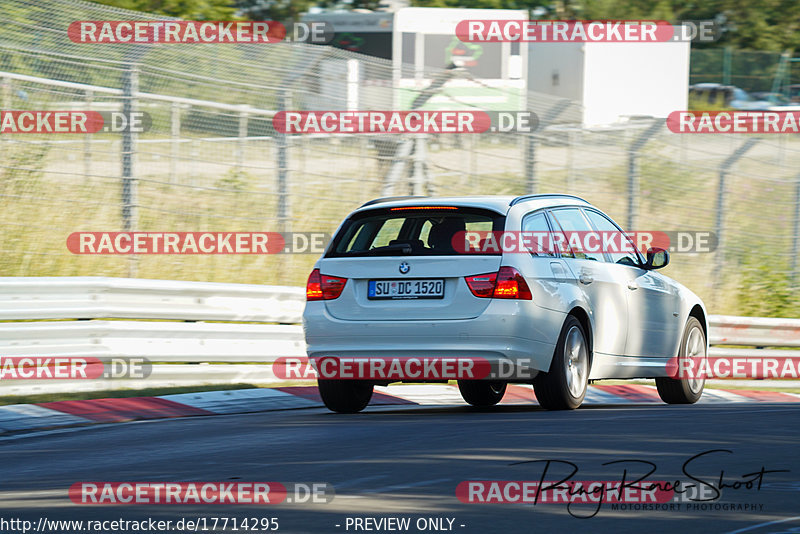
[(575, 226), (536, 224)]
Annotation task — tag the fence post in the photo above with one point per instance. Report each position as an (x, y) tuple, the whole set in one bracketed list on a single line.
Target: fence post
[(796, 231), (7, 92), (529, 150), (241, 143), (353, 86), (473, 160), (570, 178), (530, 164), (419, 182), (174, 132), (633, 172), (719, 225), (6, 103), (130, 89), (87, 142), (282, 148)]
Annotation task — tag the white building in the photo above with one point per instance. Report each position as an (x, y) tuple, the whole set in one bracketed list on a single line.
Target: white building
[(613, 81)]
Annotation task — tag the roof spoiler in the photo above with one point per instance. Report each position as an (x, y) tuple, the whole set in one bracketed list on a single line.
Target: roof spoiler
[(389, 199), (524, 198)]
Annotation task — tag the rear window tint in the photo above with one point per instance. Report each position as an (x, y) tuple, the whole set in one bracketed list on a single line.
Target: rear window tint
[(414, 232)]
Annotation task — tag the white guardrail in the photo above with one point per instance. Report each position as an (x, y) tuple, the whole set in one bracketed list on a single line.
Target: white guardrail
[(198, 322)]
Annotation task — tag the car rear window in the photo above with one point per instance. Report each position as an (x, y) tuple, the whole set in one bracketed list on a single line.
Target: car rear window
[(415, 231)]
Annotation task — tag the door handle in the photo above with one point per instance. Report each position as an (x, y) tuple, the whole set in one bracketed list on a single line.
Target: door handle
[(586, 279), (632, 285)]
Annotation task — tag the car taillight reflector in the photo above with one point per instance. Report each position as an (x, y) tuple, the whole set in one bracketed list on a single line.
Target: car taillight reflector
[(511, 285), (482, 285), (506, 283), (324, 287)]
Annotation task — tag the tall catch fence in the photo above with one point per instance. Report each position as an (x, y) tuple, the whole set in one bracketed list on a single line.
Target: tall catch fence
[(213, 162)]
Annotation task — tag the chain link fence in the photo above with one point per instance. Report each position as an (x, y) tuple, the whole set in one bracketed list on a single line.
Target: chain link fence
[(750, 70), (213, 162)]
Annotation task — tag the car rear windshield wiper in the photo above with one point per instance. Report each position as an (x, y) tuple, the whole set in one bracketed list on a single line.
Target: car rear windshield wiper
[(403, 248)]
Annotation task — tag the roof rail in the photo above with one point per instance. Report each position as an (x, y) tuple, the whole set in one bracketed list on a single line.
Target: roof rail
[(523, 198), (388, 199)]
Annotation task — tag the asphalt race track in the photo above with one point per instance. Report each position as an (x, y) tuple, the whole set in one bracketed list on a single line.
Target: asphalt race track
[(406, 462)]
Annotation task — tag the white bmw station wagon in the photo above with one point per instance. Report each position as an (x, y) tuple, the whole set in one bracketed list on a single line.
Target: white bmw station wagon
[(396, 283)]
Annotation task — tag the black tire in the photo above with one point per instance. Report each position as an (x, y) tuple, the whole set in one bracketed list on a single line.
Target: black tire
[(345, 396), (685, 391), (553, 388), (482, 393)]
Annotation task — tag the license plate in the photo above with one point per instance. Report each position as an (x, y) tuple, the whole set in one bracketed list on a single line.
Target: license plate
[(406, 289)]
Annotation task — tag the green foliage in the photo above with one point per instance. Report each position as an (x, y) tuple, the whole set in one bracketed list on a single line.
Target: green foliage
[(22, 167), (765, 291), (185, 9), (286, 11), (235, 180)]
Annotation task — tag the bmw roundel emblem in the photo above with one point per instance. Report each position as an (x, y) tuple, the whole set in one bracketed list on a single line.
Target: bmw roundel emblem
[(404, 267)]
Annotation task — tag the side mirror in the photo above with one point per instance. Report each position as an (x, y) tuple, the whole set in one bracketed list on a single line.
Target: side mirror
[(656, 259)]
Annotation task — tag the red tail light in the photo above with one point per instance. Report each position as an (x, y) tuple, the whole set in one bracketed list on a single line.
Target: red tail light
[(482, 285), (511, 285), (507, 283), (323, 287)]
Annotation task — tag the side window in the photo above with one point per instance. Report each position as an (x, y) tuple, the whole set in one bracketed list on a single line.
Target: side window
[(620, 244), (537, 231), (575, 227)]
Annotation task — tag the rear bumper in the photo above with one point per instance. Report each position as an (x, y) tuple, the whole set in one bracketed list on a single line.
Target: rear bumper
[(507, 331)]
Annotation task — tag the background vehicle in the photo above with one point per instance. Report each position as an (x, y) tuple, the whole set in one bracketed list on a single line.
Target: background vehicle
[(570, 314), (778, 101), (729, 96)]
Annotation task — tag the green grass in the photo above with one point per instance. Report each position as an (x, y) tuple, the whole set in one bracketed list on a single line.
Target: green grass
[(44, 196)]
